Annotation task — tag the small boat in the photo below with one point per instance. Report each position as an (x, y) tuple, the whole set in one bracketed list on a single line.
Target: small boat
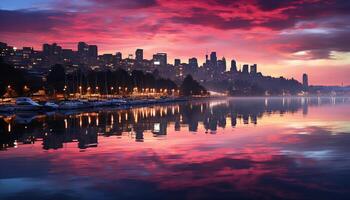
[(98, 103), (51, 106), (27, 104), (116, 102), (69, 105)]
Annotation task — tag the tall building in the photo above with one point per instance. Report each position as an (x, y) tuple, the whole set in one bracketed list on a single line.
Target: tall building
[(52, 50), (233, 66), (221, 66), (67, 56), (107, 59), (213, 59), (87, 53), (160, 59), (139, 55), (245, 69), (46, 49), (193, 63), (52, 53), (118, 57), (83, 49), (177, 62), (93, 52), (305, 81), (253, 69)]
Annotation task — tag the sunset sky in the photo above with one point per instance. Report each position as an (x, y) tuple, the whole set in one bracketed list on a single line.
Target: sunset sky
[(284, 37)]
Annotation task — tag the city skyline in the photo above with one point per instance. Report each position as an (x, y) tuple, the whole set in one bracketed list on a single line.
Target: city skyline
[(286, 38)]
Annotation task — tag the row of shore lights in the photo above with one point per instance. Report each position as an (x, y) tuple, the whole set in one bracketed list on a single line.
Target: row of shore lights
[(25, 87), (135, 89)]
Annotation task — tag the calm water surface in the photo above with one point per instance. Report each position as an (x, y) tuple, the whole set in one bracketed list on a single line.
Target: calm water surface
[(261, 148)]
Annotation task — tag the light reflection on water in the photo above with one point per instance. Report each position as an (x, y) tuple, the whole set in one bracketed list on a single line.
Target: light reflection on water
[(272, 148)]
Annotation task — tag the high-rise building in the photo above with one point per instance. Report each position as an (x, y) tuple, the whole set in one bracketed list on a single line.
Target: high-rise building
[(233, 66), (139, 55), (46, 49), (118, 57), (253, 69), (221, 66), (87, 53), (52, 50), (193, 63), (213, 59), (107, 59), (177, 62), (245, 69), (160, 59), (93, 52), (67, 55), (52, 53), (83, 48), (305, 81), (27, 52)]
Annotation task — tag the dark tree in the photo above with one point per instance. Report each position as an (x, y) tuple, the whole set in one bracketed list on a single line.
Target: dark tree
[(56, 78), (9, 76), (191, 87)]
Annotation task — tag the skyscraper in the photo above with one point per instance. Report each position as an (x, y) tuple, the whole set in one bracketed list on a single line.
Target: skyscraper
[(83, 48), (221, 66), (93, 53), (118, 57), (83, 52), (52, 53), (253, 69), (160, 59), (177, 62), (305, 81), (233, 66), (213, 60), (245, 69), (139, 55), (192, 65)]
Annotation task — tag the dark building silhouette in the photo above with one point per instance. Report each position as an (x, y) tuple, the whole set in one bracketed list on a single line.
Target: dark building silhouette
[(68, 56), (107, 59), (177, 62), (118, 57), (139, 55), (253, 69), (245, 69), (221, 66), (233, 68), (87, 53), (213, 60), (93, 53), (192, 65), (160, 59), (52, 53), (305, 81), (83, 52)]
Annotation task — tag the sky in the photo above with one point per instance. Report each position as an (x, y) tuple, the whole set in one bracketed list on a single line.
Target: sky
[(284, 37)]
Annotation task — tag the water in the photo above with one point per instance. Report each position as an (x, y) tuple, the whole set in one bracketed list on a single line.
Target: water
[(260, 148)]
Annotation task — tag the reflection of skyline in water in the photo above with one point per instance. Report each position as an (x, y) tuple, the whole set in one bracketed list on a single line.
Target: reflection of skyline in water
[(237, 149), (84, 128)]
